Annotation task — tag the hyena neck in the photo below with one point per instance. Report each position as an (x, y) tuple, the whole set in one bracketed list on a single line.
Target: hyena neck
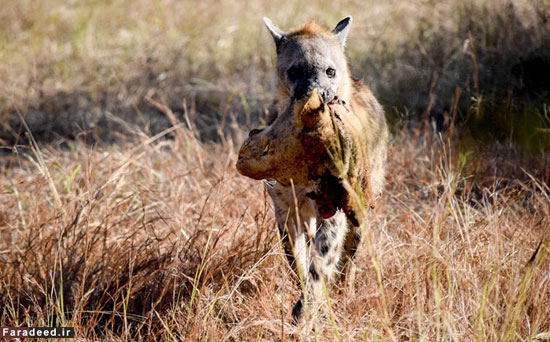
[(283, 98)]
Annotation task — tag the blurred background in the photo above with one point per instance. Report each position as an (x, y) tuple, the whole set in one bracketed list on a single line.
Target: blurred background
[(69, 67)]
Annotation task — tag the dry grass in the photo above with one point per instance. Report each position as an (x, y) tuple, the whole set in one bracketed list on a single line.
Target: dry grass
[(162, 239), (146, 237), (67, 64)]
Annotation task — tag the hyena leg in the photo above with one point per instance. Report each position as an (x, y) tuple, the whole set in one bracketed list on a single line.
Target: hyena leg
[(287, 244), (351, 243), (294, 225), (329, 245)]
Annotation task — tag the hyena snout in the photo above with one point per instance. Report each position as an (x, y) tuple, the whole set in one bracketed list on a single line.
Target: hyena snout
[(305, 89)]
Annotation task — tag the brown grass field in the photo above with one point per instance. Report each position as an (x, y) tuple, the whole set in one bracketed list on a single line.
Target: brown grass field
[(122, 214)]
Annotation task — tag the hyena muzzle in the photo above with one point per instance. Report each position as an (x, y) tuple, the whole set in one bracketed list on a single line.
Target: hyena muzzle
[(312, 58)]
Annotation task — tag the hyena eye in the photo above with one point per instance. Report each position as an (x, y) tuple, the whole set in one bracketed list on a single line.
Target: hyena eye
[(293, 73), (331, 72)]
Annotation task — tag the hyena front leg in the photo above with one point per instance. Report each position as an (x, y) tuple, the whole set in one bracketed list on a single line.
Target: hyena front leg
[(295, 215), (326, 261), (351, 243)]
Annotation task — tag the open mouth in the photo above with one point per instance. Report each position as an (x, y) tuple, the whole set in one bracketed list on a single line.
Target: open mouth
[(337, 101)]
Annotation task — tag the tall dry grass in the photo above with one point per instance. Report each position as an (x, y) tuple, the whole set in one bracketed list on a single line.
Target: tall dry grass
[(162, 239), (67, 64)]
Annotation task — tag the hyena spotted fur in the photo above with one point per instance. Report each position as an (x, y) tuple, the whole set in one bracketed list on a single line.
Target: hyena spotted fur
[(313, 205)]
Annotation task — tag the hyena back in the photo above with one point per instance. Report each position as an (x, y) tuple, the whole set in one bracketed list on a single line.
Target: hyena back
[(312, 58)]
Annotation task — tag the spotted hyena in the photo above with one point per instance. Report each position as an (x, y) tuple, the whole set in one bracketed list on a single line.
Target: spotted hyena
[(322, 153)]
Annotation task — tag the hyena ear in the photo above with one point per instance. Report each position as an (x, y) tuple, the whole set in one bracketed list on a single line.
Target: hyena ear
[(275, 31), (341, 30), (309, 112)]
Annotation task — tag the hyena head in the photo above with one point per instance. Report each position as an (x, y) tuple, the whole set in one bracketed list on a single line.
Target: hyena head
[(312, 57), (293, 147)]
